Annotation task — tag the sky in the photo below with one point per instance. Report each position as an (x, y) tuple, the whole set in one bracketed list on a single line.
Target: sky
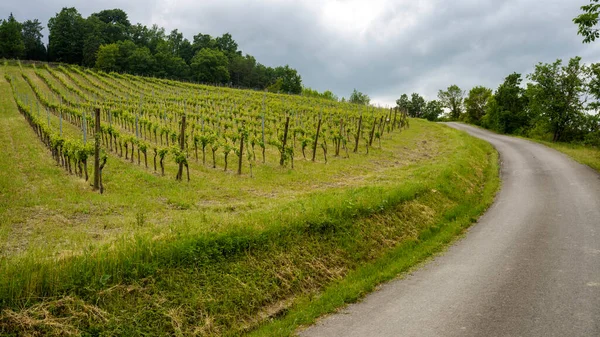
[(383, 48)]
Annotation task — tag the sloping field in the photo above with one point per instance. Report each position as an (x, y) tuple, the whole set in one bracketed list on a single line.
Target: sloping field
[(223, 252)]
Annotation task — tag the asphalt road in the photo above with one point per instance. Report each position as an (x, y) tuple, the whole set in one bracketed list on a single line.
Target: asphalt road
[(529, 267)]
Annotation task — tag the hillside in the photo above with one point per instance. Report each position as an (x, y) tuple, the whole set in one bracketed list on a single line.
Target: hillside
[(221, 253)]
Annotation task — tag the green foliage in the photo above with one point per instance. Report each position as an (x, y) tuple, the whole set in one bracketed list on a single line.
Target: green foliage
[(587, 21), (403, 102), (358, 97), (555, 94), (417, 105), (433, 110), (32, 39), (210, 66), (291, 82), (108, 57), (476, 104), (66, 37), (141, 62), (506, 110), (327, 94), (452, 99), (11, 40)]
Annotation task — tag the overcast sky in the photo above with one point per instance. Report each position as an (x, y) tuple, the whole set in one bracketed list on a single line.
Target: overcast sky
[(382, 48)]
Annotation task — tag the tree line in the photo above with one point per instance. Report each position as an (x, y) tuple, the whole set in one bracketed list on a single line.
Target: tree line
[(106, 40), (559, 102)]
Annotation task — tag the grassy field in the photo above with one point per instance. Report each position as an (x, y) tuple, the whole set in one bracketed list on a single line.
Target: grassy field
[(222, 254)]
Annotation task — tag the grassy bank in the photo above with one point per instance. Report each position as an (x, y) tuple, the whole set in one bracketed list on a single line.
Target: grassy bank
[(222, 255)]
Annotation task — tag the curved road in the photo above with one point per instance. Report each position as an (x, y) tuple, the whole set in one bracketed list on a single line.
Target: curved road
[(530, 267)]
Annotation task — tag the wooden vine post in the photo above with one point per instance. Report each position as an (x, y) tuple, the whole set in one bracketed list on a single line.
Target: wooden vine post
[(372, 132), (241, 156), (283, 143), (316, 140), (97, 149), (182, 147), (358, 134)]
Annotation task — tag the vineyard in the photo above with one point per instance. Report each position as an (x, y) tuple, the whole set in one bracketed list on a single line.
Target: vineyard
[(221, 207), (176, 124)]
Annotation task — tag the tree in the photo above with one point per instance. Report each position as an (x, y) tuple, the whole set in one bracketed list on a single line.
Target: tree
[(476, 103), (210, 66), (170, 65), (416, 106), (202, 41), (104, 27), (11, 40), (116, 24), (32, 40), (403, 102), (556, 94), (65, 41), (186, 51), (588, 20), (327, 94), (291, 82), (241, 69), (506, 110), (227, 45), (93, 39), (358, 97), (141, 62), (433, 109), (452, 99), (108, 56)]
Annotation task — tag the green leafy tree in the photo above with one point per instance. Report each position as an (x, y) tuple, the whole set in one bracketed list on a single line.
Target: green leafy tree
[(506, 110), (32, 39), (66, 38), (476, 104), (117, 25), (105, 27), (588, 20), (210, 66), (202, 41), (291, 82), (594, 86), (126, 49), (94, 38), (170, 65), (556, 94), (108, 57), (432, 111), (416, 106), (11, 39), (403, 102), (327, 94), (141, 62), (227, 45), (452, 99), (242, 71), (358, 97)]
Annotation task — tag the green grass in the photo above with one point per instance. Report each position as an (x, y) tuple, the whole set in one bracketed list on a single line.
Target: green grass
[(223, 254)]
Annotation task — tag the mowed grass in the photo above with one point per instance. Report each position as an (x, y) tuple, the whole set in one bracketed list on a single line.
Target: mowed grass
[(223, 254)]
